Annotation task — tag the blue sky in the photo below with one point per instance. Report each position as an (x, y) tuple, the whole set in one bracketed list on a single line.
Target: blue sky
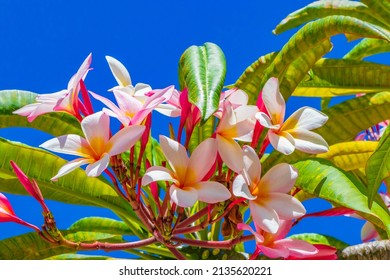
[(44, 42)]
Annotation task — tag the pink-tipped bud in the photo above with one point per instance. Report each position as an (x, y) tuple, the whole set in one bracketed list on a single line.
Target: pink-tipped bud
[(7, 214), (31, 186)]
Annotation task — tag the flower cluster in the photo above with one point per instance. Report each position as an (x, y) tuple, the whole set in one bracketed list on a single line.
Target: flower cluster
[(223, 170)]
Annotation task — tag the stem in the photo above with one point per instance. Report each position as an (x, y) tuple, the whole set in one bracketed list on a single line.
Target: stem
[(227, 244), (108, 246), (193, 218), (117, 188), (176, 253)]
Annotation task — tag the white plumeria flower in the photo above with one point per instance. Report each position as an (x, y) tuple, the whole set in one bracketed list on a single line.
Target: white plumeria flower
[(295, 132), (143, 93), (234, 125), (97, 147), (267, 195), (187, 174)]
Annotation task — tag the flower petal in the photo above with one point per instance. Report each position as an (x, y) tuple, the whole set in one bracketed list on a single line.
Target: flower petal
[(96, 128), (119, 71), (298, 248), (282, 142), (286, 206), (241, 188), (69, 144), (176, 155), (183, 197), (97, 168), (309, 142), (124, 139), (157, 173), (6, 205), (265, 218), (252, 166), (201, 161), (273, 101), (274, 252), (258, 236), (280, 178), (265, 121), (70, 166), (305, 118), (211, 192), (368, 232), (230, 152)]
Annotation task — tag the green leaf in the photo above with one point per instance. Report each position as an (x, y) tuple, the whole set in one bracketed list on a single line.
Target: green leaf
[(315, 238), (378, 166), (320, 178), (321, 9), (201, 132), (74, 188), (313, 34), (350, 155), (368, 47), (53, 123), (250, 80), (78, 257), (100, 224), (337, 77), (31, 246), (380, 8), (202, 70)]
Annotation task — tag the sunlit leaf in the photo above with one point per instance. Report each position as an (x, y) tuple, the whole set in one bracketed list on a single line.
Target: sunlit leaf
[(368, 47)]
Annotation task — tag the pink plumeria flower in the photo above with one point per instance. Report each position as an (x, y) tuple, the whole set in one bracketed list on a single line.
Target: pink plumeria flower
[(295, 132), (277, 246), (236, 98), (62, 101), (267, 195), (7, 214), (97, 147), (130, 110), (143, 93), (234, 125), (187, 173)]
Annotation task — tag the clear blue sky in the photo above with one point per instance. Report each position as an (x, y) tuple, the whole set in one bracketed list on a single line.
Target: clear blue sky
[(42, 43)]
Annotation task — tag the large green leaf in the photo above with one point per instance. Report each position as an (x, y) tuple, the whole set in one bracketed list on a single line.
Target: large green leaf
[(202, 70), (336, 77), (250, 80), (54, 123), (320, 178), (75, 187), (321, 9), (381, 9), (350, 155), (368, 47), (315, 238), (314, 33), (31, 246), (201, 132), (298, 69), (378, 166)]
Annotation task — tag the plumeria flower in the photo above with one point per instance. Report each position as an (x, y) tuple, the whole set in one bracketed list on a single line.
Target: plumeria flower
[(236, 98), (295, 132), (267, 195), (143, 93), (234, 125), (97, 147), (7, 214), (188, 173), (63, 101), (277, 246), (130, 110)]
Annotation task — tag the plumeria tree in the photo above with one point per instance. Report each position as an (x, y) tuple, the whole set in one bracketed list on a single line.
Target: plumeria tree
[(235, 169)]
